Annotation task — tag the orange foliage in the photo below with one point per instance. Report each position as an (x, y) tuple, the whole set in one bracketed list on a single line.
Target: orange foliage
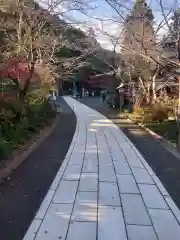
[(15, 68)]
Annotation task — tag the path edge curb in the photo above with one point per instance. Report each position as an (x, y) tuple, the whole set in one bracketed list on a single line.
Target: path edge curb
[(166, 144), (18, 159), (155, 135)]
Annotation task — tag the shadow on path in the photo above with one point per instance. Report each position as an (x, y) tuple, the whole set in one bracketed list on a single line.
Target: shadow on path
[(22, 194), (165, 164)]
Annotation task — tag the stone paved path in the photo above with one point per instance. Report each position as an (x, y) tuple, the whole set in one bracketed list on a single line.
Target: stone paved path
[(104, 190)]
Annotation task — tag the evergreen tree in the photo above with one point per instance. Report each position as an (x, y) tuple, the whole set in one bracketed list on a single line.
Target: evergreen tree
[(139, 42), (142, 10), (139, 35), (175, 26)]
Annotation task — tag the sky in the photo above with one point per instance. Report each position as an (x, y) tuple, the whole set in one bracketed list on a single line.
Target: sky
[(105, 21)]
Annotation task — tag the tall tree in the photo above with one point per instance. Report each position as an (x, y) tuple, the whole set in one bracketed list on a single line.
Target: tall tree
[(36, 37), (171, 45), (176, 24), (139, 45), (175, 31)]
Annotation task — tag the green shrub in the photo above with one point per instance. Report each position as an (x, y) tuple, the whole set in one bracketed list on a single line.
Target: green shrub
[(171, 103), (138, 114), (14, 133), (154, 113), (138, 111), (39, 113), (159, 113), (5, 149)]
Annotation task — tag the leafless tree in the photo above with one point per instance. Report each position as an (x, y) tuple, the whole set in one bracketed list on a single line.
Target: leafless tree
[(33, 34), (146, 57), (146, 46)]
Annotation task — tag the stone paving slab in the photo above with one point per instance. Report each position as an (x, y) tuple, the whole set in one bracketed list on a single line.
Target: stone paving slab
[(104, 190)]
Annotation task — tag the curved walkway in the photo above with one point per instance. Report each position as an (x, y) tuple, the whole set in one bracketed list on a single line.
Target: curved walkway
[(104, 190), (22, 193)]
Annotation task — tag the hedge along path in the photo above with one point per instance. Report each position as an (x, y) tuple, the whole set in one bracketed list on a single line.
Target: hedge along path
[(19, 156)]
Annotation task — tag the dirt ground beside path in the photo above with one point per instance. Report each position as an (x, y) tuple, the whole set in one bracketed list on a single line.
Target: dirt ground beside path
[(22, 194), (164, 163)]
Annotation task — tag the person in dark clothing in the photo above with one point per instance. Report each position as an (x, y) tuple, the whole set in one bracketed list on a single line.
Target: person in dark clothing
[(103, 96)]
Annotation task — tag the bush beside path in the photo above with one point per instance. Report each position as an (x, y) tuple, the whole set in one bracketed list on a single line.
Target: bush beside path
[(16, 132)]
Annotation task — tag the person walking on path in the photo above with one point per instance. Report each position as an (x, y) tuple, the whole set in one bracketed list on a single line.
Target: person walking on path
[(52, 99), (103, 96)]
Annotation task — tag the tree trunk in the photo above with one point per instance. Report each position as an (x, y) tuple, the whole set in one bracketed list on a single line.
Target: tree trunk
[(22, 96), (178, 119), (148, 94), (148, 97), (154, 88), (21, 105)]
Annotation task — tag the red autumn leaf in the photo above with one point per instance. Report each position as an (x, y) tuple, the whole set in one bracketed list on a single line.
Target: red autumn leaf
[(16, 68)]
